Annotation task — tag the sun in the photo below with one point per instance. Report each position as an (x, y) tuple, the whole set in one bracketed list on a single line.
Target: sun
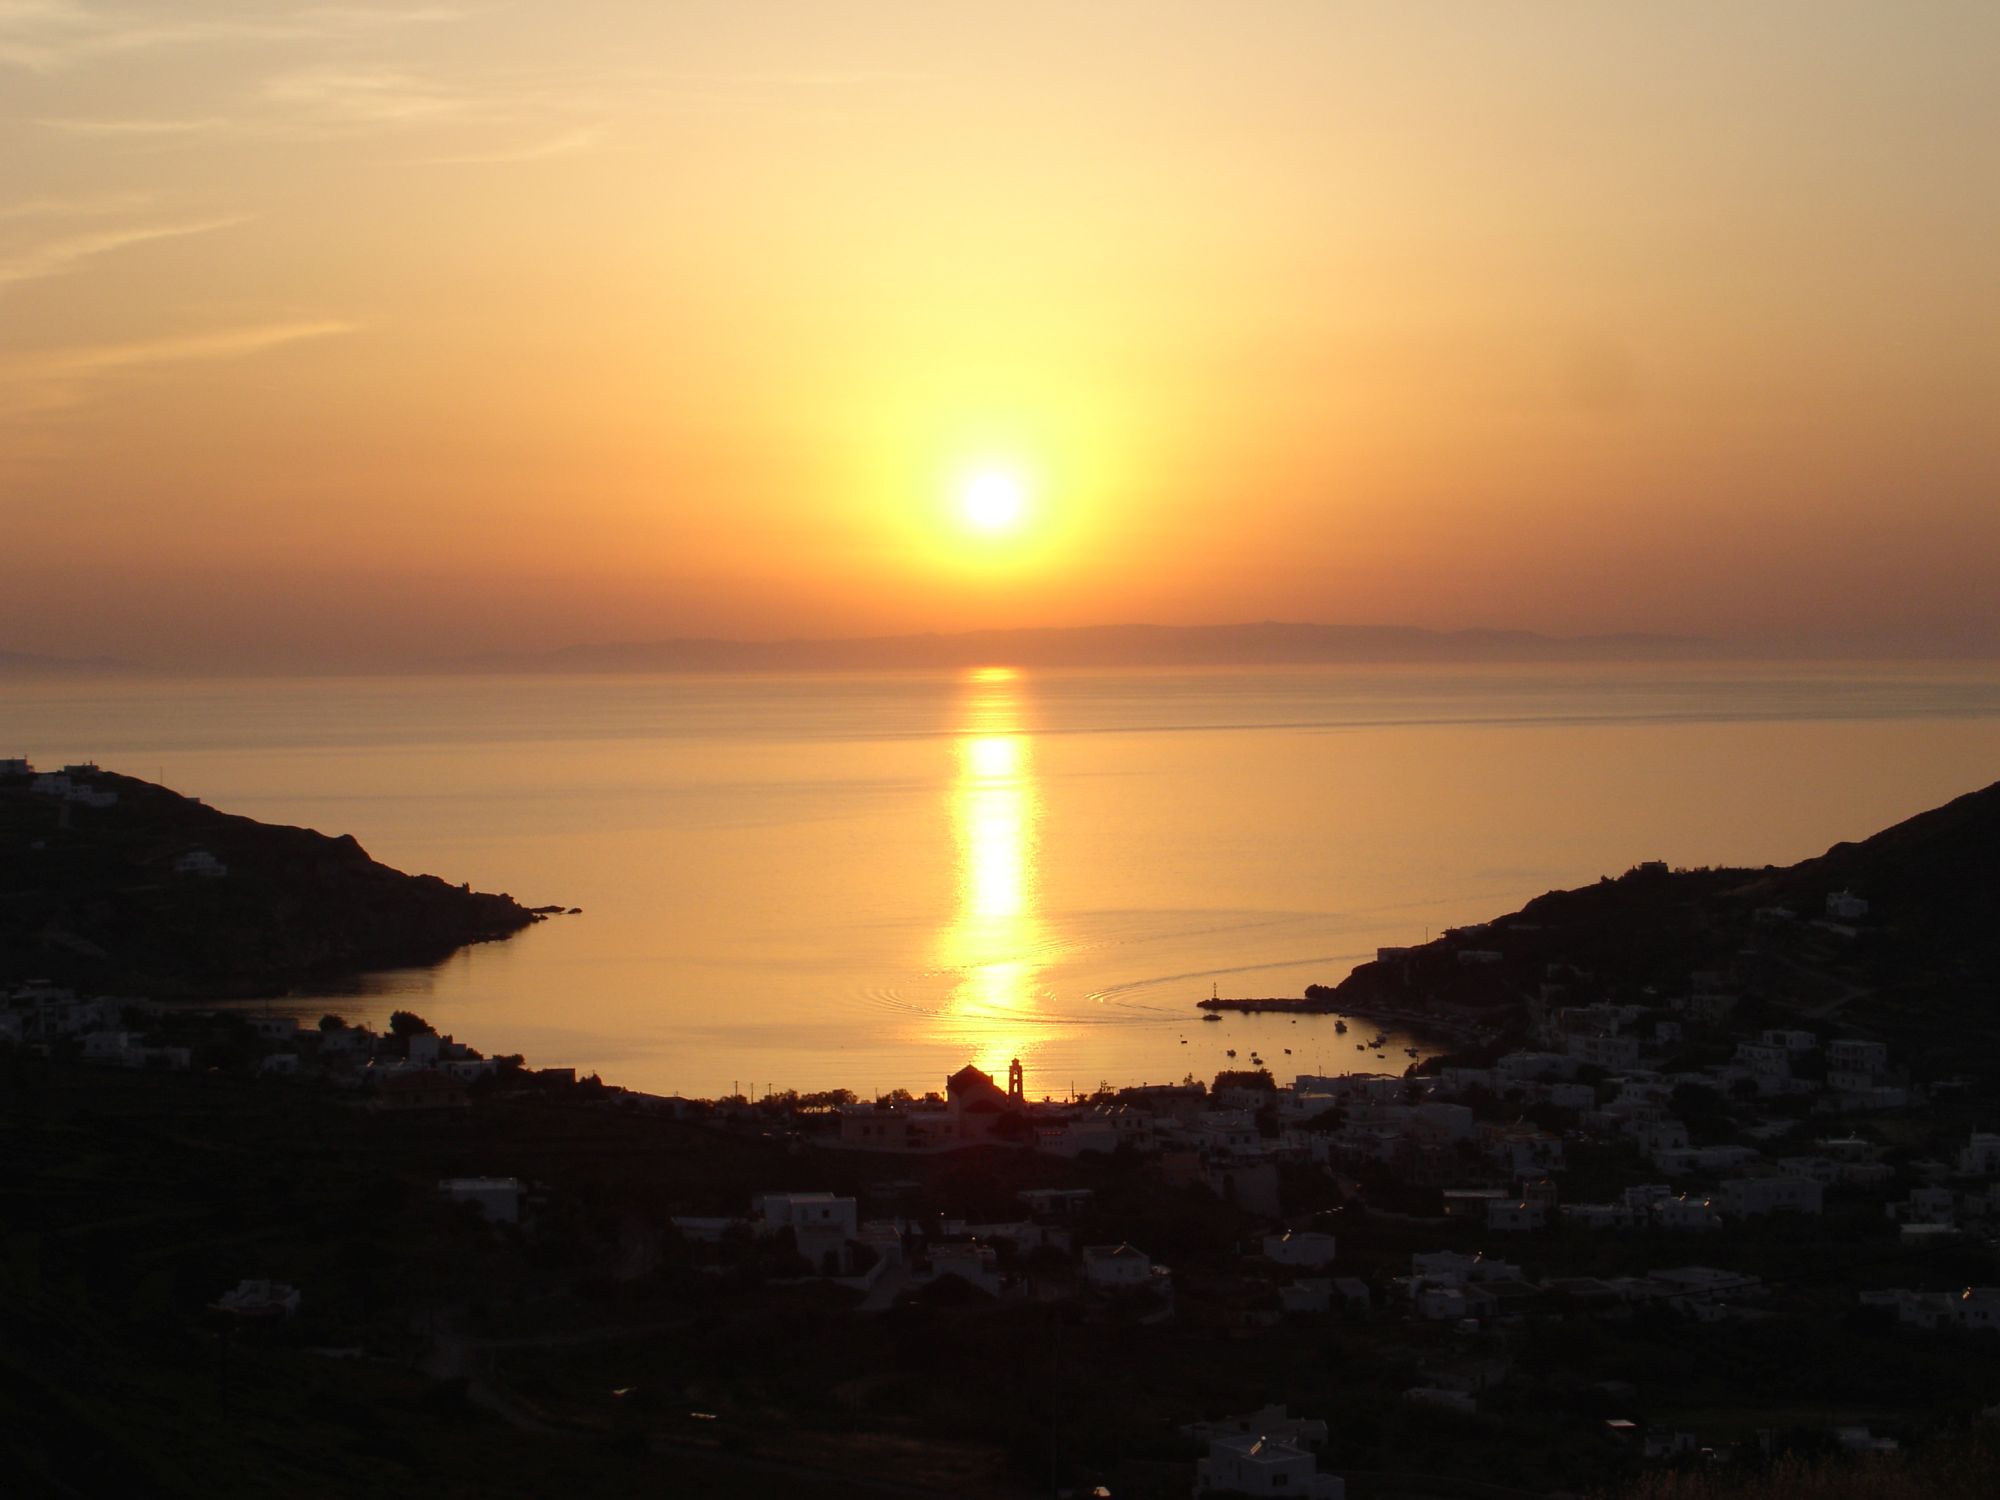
[(993, 501)]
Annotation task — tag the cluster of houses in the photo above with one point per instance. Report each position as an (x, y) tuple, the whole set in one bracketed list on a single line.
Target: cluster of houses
[(417, 1071), (72, 784), (1267, 1452), (1493, 1140), (40, 1014), (886, 1257)]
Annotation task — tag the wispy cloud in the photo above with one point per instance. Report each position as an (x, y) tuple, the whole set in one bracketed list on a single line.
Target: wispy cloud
[(566, 144), (365, 97), (51, 380), (54, 257), (49, 35), (78, 206), (136, 127)]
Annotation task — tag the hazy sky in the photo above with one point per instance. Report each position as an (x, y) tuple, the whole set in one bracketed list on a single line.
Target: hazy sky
[(357, 328)]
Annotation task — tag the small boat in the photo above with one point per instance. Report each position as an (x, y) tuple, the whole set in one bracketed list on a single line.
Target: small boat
[(1340, 1028), (1409, 1052), (1211, 1016), (1288, 1052), (1230, 1053), (1360, 1046), (1183, 1041)]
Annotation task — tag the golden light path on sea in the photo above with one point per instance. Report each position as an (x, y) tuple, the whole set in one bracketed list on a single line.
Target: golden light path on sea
[(995, 1011)]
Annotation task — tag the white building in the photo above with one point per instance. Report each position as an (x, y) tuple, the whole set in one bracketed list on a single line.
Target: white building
[(1685, 1212), (973, 1263), (1764, 1059), (1980, 1156), (1605, 1051), (1978, 1307), (1567, 1095), (1925, 1205), (1845, 906), (1300, 1247), (1075, 1137), (1750, 1197), (1514, 1216), (1791, 1041), (200, 863), (497, 1198), (107, 1046), (259, 1299), (1853, 1055), (821, 1224), (1689, 1287), (1253, 1464), (1442, 1396), (1109, 1267), (1310, 1294)]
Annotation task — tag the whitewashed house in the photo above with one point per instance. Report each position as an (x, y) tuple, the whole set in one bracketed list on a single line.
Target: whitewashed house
[(1980, 1156), (1753, 1197), (1253, 1464), (821, 1224), (973, 1263), (1300, 1247), (498, 1199), (1686, 1212), (1514, 1216), (1855, 1055), (259, 1299), (1112, 1267)]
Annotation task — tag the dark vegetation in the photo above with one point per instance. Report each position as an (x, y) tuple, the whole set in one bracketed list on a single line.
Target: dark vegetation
[(90, 898)]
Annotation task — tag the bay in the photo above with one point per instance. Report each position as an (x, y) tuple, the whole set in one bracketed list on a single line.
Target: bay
[(866, 881)]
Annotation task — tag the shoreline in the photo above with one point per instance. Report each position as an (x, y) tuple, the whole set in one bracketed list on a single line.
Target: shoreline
[(1417, 1019)]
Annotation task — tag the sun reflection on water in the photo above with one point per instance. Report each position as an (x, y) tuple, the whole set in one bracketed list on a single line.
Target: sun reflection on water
[(992, 948)]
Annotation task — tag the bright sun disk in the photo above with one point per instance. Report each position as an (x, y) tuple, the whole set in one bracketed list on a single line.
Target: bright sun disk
[(993, 501)]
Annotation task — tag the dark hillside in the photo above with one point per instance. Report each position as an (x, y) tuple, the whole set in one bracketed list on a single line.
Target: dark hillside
[(119, 898), (1922, 960), (1936, 875)]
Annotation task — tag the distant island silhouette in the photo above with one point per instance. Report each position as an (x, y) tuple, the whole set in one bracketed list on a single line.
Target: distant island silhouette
[(1252, 644), (29, 664)]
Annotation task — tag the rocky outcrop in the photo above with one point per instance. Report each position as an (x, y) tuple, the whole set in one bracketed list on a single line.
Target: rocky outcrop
[(157, 894)]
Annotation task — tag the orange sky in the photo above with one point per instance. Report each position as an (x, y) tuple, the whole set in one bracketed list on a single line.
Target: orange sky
[(346, 333)]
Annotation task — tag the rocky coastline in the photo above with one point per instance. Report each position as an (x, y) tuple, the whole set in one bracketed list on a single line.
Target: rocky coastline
[(112, 884)]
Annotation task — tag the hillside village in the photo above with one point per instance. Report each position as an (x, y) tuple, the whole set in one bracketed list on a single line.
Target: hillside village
[(1637, 1222)]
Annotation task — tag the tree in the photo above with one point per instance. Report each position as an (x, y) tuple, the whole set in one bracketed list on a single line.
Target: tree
[(407, 1023), (332, 1022)]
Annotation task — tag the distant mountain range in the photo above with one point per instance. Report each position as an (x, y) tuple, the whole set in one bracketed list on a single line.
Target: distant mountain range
[(26, 664), (1264, 643)]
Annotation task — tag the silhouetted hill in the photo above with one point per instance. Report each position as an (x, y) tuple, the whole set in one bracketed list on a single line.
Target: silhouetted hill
[(91, 896), (1268, 642), (1934, 876), (1922, 962)]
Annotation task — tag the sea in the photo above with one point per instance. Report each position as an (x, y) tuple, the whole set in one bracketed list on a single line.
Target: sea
[(867, 881)]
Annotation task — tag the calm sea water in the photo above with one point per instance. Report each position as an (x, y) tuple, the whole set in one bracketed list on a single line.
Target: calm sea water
[(867, 881)]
